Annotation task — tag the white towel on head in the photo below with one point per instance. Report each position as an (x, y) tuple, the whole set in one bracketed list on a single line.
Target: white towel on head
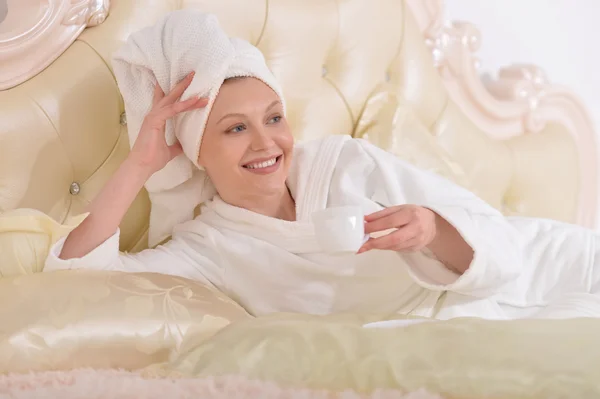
[(181, 42)]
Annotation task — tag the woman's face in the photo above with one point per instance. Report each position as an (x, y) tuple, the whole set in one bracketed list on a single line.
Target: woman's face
[(247, 144)]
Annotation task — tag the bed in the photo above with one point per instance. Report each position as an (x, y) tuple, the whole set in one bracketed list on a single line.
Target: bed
[(393, 72)]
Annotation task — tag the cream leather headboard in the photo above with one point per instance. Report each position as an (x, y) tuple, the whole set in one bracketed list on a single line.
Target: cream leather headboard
[(527, 148)]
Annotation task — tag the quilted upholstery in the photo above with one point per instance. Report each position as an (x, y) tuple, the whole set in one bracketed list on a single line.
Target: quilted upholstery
[(63, 132)]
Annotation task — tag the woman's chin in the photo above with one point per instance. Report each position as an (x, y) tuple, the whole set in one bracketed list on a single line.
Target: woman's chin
[(268, 185)]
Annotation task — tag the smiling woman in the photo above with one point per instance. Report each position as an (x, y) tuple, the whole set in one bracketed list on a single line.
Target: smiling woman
[(247, 148), (437, 250)]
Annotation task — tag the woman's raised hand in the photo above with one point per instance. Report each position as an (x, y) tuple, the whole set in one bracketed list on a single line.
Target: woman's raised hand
[(150, 150)]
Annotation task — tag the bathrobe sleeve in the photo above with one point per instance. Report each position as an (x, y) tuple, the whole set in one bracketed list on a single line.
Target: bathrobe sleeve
[(185, 255), (497, 248)]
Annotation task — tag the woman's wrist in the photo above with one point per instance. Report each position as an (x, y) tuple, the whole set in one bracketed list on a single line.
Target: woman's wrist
[(449, 247), (136, 173)]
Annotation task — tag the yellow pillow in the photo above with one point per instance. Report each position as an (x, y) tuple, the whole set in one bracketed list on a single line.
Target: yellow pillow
[(99, 319), (26, 236)]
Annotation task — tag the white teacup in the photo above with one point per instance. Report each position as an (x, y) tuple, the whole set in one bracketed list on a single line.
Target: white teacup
[(340, 229)]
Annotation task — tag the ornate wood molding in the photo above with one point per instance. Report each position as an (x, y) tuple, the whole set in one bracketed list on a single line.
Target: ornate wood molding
[(35, 32), (520, 100)]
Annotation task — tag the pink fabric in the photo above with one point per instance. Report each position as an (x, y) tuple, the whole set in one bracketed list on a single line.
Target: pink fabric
[(114, 384)]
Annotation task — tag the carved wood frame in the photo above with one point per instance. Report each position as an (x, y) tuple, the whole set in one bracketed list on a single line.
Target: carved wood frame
[(28, 49), (519, 101)]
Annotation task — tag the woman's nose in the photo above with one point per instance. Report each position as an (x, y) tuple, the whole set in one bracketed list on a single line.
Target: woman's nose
[(261, 140)]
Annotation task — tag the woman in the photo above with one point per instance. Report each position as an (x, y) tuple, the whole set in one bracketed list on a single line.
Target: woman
[(439, 252)]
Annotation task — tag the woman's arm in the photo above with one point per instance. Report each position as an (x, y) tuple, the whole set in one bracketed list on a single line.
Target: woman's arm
[(94, 244), (186, 255), (449, 247), (106, 211), (150, 153), (409, 228), (472, 248)]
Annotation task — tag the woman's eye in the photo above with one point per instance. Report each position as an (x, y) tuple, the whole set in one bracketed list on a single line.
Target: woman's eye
[(275, 119), (237, 129)]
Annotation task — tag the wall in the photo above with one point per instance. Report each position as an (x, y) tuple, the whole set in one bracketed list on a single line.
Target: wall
[(561, 36)]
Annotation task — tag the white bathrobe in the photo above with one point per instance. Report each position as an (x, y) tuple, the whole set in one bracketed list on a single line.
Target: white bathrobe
[(521, 267)]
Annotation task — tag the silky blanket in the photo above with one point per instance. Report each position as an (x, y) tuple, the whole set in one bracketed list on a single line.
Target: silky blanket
[(462, 358), (166, 328)]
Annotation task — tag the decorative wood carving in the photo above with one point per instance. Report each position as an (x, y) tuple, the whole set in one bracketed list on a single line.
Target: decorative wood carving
[(35, 32), (521, 100)]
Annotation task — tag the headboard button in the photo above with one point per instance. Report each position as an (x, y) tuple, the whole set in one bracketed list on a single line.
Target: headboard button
[(123, 119), (74, 189)]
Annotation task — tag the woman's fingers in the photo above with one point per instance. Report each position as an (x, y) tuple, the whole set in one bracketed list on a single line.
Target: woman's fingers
[(393, 240), (158, 95), (177, 90), (389, 220), (183, 106), (380, 214), (158, 118)]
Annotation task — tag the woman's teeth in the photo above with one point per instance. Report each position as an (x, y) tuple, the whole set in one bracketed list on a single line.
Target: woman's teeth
[(261, 165)]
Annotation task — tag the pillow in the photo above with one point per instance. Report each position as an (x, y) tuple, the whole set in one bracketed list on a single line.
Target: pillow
[(460, 358), (391, 124), (99, 319), (26, 236)]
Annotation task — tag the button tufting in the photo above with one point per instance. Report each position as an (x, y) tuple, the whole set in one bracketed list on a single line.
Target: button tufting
[(123, 119), (323, 70), (74, 189)]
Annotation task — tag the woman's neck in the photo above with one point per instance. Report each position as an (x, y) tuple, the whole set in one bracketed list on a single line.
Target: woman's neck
[(277, 205), (287, 207)]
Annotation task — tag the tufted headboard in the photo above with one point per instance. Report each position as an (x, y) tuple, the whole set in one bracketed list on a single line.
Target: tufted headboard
[(355, 67)]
